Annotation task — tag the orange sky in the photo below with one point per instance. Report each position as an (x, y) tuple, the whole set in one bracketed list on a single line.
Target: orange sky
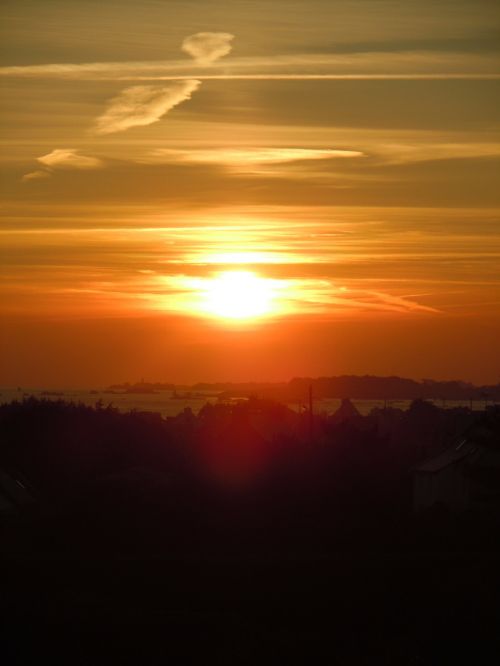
[(205, 191)]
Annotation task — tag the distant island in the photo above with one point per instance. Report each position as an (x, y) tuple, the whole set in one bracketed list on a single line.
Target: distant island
[(366, 387), (141, 387)]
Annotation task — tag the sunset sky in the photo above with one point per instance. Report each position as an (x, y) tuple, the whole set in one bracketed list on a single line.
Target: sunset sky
[(201, 190)]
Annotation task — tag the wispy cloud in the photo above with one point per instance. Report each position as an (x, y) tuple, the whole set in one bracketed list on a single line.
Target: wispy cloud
[(207, 47), (429, 151), (68, 158), (143, 105), (36, 175), (247, 159), (384, 301), (63, 158), (365, 65)]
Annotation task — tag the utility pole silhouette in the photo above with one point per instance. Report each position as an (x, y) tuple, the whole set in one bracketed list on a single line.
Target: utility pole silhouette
[(311, 420)]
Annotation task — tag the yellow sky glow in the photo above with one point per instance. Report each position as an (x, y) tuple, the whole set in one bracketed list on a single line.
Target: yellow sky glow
[(227, 181)]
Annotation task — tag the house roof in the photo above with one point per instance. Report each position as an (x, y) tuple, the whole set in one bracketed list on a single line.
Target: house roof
[(479, 444), (345, 412), (446, 458)]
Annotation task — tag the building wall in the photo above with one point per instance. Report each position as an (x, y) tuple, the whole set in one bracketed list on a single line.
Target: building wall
[(448, 486)]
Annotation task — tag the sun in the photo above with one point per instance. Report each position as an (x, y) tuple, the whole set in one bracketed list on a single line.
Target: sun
[(239, 295)]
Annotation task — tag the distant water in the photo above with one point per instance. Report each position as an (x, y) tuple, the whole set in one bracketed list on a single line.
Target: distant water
[(165, 404)]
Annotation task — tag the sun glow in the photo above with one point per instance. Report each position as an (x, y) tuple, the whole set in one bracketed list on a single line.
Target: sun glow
[(239, 295)]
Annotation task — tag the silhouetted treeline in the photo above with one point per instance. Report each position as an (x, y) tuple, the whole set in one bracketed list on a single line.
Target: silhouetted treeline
[(305, 473), (245, 534)]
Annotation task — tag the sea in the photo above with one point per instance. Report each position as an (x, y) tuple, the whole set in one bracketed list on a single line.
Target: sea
[(169, 403)]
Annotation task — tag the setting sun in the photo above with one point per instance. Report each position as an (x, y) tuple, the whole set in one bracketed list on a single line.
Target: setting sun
[(239, 295)]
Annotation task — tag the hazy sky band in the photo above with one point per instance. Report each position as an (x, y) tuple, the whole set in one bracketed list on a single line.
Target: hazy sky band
[(304, 77)]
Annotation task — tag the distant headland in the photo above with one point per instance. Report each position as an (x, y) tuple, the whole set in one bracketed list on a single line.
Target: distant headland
[(366, 387)]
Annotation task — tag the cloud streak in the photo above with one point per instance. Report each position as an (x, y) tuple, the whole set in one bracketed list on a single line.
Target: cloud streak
[(36, 175), (397, 153), (379, 65), (207, 47), (68, 158), (63, 158), (247, 159), (143, 105)]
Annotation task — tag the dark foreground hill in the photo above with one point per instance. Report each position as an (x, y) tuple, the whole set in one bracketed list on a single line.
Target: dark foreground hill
[(247, 534)]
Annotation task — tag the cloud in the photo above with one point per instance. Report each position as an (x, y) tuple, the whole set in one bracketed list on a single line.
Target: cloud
[(247, 159), (63, 158), (397, 153), (301, 66), (36, 175), (143, 105), (393, 303), (207, 47), (67, 158)]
